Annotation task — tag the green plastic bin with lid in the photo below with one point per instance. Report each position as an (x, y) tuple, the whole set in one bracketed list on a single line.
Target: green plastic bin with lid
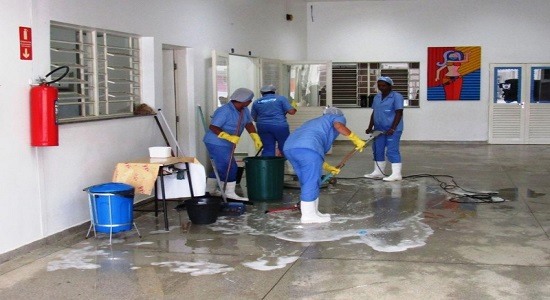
[(264, 177)]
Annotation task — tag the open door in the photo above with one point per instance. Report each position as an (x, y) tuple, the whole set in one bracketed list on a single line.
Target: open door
[(230, 72), (220, 77), (307, 82), (310, 85)]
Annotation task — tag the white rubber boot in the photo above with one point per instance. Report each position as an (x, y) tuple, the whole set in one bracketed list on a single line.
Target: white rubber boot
[(230, 192), (212, 187), (379, 167), (317, 209), (395, 173), (309, 213)]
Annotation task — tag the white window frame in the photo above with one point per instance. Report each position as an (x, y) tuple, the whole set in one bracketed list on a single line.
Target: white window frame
[(353, 80), (104, 79)]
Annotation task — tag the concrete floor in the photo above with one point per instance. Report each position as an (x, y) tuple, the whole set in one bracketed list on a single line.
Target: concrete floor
[(401, 240)]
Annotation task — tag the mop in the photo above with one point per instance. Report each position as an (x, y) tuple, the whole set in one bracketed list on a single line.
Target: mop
[(235, 206), (330, 177)]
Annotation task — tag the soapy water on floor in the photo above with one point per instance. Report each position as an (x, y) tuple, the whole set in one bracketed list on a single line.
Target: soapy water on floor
[(269, 264), (395, 236), (78, 259), (387, 224), (195, 268)]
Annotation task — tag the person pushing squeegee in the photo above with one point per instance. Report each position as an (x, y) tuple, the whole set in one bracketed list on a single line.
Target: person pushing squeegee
[(330, 176)]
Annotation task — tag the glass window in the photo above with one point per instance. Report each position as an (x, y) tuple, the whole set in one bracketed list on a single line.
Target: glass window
[(540, 86), (507, 87), (104, 72), (354, 83)]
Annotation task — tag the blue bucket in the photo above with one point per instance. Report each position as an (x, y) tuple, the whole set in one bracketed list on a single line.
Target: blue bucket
[(112, 206)]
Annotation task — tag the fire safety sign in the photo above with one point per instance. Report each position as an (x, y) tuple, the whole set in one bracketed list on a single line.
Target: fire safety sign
[(25, 43)]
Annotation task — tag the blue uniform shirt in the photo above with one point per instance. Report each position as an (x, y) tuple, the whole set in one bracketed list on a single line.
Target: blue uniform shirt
[(227, 117), (316, 134), (271, 110), (384, 110)]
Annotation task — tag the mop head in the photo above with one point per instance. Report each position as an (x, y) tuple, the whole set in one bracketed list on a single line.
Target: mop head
[(232, 209)]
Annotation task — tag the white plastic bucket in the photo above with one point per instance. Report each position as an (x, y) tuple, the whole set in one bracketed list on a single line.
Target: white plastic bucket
[(160, 152)]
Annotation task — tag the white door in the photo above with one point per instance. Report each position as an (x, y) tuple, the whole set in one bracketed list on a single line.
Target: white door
[(310, 85), (176, 107), (220, 78), (230, 72), (244, 73), (519, 104), (169, 105)]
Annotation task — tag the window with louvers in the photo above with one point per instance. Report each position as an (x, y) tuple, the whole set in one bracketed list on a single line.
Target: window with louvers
[(354, 84), (104, 72), (344, 84)]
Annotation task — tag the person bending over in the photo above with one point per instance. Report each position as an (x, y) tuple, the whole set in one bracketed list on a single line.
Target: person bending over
[(306, 147)]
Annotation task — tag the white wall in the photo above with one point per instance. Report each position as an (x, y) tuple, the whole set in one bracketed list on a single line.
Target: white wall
[(19, 175), (508, 31), (41, 188)]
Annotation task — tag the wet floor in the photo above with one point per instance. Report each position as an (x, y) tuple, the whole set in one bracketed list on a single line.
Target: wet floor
[(479, 229)]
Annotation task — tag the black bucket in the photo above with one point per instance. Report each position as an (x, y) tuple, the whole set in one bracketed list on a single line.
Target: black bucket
[(203, 210)]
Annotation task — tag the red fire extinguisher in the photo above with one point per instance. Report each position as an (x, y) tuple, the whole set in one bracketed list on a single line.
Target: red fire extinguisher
[(44, 130)]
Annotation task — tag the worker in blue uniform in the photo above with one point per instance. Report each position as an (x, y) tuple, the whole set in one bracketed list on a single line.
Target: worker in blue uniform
[(269, 113), (387, 116), (226, 126), (306, 147)]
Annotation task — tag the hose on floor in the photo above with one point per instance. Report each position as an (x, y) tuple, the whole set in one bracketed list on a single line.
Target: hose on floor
[(450, 186)]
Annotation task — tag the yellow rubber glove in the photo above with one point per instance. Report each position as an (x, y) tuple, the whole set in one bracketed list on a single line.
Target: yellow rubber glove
[(294, 104), (226, 136), (257, 141), (333, 170), (359, 143)]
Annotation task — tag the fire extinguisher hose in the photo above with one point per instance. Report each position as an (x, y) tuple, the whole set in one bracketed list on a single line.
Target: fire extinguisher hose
[(53, 71)]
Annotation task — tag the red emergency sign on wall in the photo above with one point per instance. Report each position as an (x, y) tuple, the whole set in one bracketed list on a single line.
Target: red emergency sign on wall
[(25, 43)]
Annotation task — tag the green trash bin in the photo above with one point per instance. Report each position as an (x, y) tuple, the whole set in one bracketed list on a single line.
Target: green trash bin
[(264, 177)]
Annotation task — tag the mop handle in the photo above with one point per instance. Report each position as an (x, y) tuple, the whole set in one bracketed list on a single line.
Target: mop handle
[(199, 109), (233, 149), (328, 176), (170, 131), (218, 179), (163, 134)]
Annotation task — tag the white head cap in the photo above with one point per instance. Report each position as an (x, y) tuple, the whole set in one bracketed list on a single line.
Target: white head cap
[(242, 95), (268, 88), (386, 79), (331, 110)]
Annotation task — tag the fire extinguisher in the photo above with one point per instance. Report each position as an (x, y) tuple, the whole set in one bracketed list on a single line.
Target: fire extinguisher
[(44, 131)]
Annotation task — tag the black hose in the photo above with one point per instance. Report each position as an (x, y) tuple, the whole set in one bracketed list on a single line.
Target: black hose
[(60, 77)]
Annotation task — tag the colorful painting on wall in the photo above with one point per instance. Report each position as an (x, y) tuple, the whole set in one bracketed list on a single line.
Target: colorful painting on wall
[(454, 73)]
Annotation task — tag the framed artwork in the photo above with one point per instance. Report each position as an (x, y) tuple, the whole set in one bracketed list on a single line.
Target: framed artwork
[(454, 73)]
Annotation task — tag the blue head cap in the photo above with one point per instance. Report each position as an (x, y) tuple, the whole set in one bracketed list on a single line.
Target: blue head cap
[(268, 89), (242, 95), (331, 110), (386, 79)]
